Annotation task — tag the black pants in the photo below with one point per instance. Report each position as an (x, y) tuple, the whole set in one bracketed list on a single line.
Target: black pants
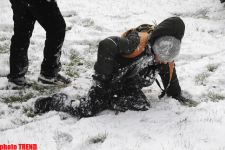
[(98, 99), (48, 15)]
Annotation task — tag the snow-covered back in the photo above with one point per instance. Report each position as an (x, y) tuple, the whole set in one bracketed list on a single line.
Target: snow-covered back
[(167, 125)]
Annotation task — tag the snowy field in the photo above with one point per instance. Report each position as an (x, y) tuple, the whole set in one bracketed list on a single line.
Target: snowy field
[(166, 126)]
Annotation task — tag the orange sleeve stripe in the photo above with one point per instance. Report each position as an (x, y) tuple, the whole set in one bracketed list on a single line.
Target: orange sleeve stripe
[(171, 66), (141, 47)]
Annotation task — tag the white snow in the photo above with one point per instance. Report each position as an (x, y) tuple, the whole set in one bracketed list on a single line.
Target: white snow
[(167, 125)]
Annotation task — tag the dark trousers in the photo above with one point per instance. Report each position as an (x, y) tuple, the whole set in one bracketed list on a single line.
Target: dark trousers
[(48, 15)]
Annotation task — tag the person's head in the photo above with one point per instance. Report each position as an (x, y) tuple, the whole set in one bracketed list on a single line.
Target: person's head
[(166, 38)]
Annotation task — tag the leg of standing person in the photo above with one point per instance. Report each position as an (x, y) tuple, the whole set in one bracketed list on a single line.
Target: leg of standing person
[(50, 18), (23, 28)]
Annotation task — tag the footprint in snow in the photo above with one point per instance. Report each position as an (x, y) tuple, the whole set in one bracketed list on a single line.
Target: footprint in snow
[(62, 138)]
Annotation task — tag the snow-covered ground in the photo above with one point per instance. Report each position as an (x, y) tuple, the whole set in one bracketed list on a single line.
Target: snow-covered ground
[(167, 125)]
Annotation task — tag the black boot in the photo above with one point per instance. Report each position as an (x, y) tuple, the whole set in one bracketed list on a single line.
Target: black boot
[(18, 83), (57, 80), (58, 102)]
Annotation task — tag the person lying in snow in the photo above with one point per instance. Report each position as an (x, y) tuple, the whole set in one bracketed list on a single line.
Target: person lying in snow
[(124, 66)]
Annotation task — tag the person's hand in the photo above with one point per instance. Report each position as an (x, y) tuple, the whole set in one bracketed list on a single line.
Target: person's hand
[(186, 101), (133, 39)]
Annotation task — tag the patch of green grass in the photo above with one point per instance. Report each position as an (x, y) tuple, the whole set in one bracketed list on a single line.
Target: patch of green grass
[(29, 111), (100, 138), (21, 97), (212, 67), (203, 17), (38, 87), (215, 97), (89, 65), (44, 89), (72, 73), (75, 60), (200, 79)]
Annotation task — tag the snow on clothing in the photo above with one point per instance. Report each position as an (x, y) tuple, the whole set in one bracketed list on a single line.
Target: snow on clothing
[(119, 80), (48, 15), (141, 70)]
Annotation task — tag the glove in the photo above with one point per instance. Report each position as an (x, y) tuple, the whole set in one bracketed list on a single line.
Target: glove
[(222, 1), (185, 101)]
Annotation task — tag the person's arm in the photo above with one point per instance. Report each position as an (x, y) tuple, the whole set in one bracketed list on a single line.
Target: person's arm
[(174, 88), (112, 46)]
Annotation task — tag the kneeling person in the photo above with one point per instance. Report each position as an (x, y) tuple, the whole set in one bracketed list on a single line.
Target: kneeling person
[(124, 66)]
